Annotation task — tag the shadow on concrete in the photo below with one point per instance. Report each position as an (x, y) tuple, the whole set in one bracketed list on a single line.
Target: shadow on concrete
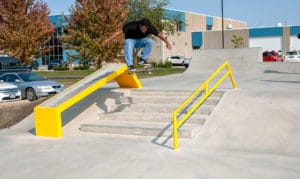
[(162, 140), (279, 72), (99, 97), (32, 131), (280, 81)]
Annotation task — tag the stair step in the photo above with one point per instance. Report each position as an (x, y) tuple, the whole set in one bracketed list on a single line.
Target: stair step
[(164, 100), (169, 93), (159, 93), (149, 113), (159, 108), (150, 117), (139, 128)]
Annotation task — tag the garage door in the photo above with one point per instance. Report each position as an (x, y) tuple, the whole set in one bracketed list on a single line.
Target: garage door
[(295, 43), (266, 43)]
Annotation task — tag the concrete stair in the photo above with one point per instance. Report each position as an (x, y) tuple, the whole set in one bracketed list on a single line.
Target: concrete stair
[(139, 128), (153, 117), (149, 113)]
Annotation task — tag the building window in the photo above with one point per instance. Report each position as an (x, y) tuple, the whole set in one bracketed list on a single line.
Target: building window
[(55, 48), (179, 26), (208, 27)]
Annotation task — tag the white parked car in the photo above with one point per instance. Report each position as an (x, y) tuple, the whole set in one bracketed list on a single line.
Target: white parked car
[(292, 56), (179, 60), (9, 92), (176, 60), (187, 62), (32, 85)]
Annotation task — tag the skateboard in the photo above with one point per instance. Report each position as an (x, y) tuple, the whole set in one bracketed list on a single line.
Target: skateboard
[(147, 68)]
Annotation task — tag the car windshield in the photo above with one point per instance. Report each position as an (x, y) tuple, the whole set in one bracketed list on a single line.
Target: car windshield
[(291, 53), (10, 61), (27, 77), (267, 54)]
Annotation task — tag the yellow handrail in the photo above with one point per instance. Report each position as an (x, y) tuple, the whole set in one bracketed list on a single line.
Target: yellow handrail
[(204, 86)]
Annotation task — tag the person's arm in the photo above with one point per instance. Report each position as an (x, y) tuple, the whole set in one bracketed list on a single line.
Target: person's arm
[(163, 38), (107, 41)]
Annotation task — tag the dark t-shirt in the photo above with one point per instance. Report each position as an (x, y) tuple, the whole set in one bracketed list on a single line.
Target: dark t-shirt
[(132, 30)]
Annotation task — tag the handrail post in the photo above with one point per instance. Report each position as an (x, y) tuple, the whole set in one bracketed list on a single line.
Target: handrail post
[(231, 76), (175, 132)]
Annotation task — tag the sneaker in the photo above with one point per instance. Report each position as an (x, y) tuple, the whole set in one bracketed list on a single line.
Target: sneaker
[(131, 68), (143, 62), (146, 62)]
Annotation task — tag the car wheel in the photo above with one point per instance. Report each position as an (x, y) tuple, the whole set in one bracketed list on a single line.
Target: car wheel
[(30, 94)]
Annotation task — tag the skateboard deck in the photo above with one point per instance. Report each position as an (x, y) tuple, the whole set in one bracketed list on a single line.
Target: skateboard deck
[(145, 69)]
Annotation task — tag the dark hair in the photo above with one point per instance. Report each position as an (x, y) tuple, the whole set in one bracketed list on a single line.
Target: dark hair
[(145, 22)]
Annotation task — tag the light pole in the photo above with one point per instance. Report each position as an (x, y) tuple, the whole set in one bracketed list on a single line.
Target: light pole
[(222, 23)]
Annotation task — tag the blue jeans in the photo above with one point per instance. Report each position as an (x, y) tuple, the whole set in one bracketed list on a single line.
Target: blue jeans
[(130, 44)]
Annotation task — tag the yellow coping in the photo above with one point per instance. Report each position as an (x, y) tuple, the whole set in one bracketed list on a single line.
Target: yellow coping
[(48, 121)]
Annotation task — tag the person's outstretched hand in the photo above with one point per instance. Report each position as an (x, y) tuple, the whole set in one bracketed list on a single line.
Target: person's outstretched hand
[(105, 42), (169, 46)]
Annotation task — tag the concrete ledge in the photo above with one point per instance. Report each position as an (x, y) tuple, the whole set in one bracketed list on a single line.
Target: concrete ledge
[(47, 115)]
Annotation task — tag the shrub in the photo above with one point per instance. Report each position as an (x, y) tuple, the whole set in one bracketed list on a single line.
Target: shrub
[(60, 68), (161, 64), (168, 65), (81, 67)]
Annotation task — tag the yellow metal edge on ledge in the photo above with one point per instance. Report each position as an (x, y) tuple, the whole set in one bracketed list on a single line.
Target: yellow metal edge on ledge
[(47, 122), (126, 80)]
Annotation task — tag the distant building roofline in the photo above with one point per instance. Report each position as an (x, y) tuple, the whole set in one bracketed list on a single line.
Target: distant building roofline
[(206, 15)]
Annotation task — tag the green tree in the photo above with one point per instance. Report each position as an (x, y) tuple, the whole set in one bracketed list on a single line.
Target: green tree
[(155, 11), (25, 27), (91, 22), (238, 41)]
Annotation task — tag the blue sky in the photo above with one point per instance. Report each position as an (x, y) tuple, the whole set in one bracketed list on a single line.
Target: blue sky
[(257, 13)]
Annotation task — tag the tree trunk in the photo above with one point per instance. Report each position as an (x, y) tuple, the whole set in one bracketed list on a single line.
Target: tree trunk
[(99, 63)]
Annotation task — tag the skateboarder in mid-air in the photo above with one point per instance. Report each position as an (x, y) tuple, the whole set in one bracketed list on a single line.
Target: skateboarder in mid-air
[(136, 33)]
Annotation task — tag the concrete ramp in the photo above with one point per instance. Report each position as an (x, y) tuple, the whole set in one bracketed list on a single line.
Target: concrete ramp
[(255, 121), (209, 60), (241, 60), (262, 115)]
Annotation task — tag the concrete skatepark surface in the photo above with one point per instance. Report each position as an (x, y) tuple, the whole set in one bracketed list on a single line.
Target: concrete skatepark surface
[(252, 133)]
